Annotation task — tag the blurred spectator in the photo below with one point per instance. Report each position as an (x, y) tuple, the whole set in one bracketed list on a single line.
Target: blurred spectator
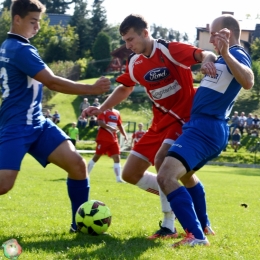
[(48, 114), (83, 105), (56, 117), (137, 134), (249, 123), (234, 122), (74, 133), (82, 122), (254, 133), (235, 140), (242, 122), (96, 103), (256, 122), (93, 121)]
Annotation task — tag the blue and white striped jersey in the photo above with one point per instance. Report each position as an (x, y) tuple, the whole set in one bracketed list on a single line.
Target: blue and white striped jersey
[(21, 94)]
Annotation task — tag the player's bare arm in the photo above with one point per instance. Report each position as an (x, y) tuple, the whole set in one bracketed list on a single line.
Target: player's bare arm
[(208, 59), (122, 131), (101, 123), (59, 84), (243, 74), (117, 96)]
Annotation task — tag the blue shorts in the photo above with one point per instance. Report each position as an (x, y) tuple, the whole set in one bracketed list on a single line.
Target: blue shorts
[(202, 140), (39, 141)]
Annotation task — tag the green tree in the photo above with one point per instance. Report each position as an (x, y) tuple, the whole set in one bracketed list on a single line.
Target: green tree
[(168, 34), (57, 6), (6, 4), (5, 23), (256, 70), (255, 49), (101, 52), (98, 19), (113, 33), (62, 46), (83, 28)]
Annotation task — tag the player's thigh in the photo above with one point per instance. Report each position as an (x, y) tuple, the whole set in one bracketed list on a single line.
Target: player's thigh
[(7, 180), (66, 157), (134, 169), (170, 134)]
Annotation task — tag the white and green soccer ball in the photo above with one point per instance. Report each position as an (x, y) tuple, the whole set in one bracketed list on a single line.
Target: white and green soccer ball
[(93, 217)]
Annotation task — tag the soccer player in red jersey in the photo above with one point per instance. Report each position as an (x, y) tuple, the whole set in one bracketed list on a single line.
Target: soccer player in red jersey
[(163, 69), (110, 123)]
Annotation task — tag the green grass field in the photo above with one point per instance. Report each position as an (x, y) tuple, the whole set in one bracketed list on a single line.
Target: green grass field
[(37, 213)]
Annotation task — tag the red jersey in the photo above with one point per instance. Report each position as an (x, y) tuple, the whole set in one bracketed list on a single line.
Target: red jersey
[(137, 135), (167, 79), (112, 118)]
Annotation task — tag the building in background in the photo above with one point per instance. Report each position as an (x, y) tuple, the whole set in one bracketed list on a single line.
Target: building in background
[(250, 30)]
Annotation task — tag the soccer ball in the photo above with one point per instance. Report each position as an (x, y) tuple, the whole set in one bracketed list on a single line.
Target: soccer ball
[(93, 217)]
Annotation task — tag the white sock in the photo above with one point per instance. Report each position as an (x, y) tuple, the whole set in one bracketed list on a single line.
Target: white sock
[(169, 217), (117, 170), (91, 164), (149, 183)]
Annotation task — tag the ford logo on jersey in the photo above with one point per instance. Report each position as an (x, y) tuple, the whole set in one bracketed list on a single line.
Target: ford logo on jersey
[(112, 117), (156, 74)]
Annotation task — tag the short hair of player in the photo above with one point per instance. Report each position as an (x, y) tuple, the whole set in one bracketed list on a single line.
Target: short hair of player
[(135, 21), (232, 24), (23, 7)]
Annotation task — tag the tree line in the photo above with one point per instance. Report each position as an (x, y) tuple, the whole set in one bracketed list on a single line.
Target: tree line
[(88, 39)]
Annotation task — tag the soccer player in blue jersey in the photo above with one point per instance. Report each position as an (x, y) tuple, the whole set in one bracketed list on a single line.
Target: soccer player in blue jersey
[(23, 128), (206, 134)]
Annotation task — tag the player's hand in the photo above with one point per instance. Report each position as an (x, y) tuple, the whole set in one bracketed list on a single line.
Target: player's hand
[(223, 41), (91, 111), (101, 86), (208, 68)]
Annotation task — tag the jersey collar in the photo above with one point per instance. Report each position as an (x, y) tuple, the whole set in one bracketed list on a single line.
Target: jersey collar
[(17, 37)]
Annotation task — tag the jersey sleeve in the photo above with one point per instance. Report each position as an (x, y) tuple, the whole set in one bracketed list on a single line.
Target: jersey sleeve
[(101, 117), (184, 53), (125, 78), (241, 56), (30, 62)]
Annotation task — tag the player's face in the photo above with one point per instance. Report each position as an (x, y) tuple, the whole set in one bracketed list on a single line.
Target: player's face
[(214, 29), (137, 43), (29, 25)]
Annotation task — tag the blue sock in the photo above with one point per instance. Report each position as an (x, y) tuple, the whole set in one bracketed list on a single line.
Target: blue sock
[(78, 191), (182, 206), (198, 196)]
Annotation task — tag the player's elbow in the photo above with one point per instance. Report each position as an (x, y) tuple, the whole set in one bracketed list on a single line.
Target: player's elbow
[(248, 84)]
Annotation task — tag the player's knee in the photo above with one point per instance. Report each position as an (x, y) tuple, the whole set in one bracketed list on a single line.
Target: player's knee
[(130, 177), (160, 180), (79, 169), (5, 187)]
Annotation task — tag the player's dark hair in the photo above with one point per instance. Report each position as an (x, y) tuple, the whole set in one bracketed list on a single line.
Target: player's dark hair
[(23, 7), (232, 24), (135, 21)]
